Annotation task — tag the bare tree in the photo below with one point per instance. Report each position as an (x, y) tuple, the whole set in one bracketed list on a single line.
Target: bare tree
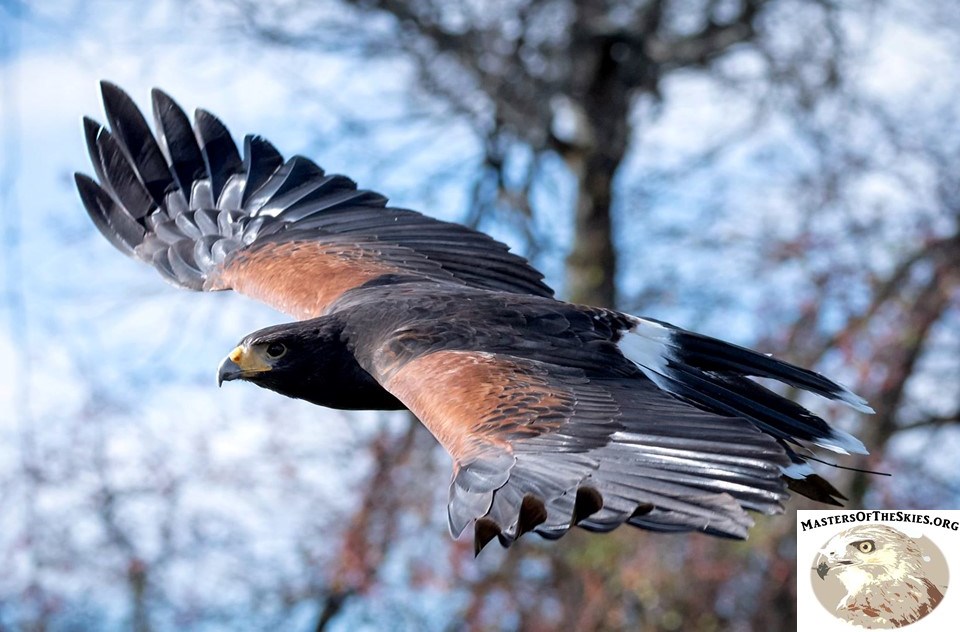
[(833, 204), (557, 77)]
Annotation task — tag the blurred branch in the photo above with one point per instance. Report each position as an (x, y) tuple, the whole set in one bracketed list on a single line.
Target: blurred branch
[(373, 526), (887, 290), (713, 39), (931, 421)]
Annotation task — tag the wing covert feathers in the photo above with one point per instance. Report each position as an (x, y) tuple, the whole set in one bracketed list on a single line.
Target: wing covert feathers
[(529, 439), (210, 218), (559, 415)]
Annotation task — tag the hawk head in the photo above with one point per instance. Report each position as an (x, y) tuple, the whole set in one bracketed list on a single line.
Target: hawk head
[(307, 360)]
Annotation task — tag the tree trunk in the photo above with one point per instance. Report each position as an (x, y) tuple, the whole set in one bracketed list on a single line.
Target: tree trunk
[(592, 264), (603, 96)]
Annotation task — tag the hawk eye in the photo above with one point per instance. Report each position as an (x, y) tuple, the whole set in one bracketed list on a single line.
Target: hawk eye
[(275, 350), (866, 546)]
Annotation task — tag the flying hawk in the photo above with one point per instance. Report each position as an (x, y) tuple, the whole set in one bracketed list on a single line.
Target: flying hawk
[(882, 570), (555, 414)]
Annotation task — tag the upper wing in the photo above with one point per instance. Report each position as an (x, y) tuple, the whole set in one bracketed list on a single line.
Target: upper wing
[(281, 231)]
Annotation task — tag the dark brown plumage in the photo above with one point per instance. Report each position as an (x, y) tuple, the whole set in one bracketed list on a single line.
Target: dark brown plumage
[(555, 414)]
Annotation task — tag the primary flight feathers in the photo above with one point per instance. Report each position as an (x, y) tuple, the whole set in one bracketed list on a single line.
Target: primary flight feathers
[(208, 219), (556, 415)]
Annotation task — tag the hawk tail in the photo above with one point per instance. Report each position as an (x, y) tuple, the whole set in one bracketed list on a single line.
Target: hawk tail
[(713, 375)]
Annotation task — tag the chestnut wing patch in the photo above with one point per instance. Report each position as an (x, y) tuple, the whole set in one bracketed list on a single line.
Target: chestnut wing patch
[(209, 217), (541, 447), (303, 278), (480, 400)]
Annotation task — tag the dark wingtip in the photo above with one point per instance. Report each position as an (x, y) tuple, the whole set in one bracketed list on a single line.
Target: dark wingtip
[(89, 190), (80, 179), (114, 97), (108, 86), (160, 101), (532, 514), (156, 94), (203, 117), (96, 201), (90, 126), (815, 487), (588, 502), (484, 530), (91, 131), (83, 183), (220, 153), (642, 510)]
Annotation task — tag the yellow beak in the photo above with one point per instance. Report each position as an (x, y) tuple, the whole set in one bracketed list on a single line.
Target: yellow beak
[(240, 363)]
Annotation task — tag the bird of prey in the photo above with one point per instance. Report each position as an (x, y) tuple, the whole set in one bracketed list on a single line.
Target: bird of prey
[(555, 414), (882, 570)]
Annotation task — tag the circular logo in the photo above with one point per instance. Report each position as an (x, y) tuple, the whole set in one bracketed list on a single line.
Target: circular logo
[(877, 577)]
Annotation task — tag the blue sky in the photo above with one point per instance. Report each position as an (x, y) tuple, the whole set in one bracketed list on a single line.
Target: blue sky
[(109, 362), (103, 358)]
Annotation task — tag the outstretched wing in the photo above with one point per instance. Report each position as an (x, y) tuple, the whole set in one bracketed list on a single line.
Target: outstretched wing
[(559, 415), (541, 447), (280, 231)]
